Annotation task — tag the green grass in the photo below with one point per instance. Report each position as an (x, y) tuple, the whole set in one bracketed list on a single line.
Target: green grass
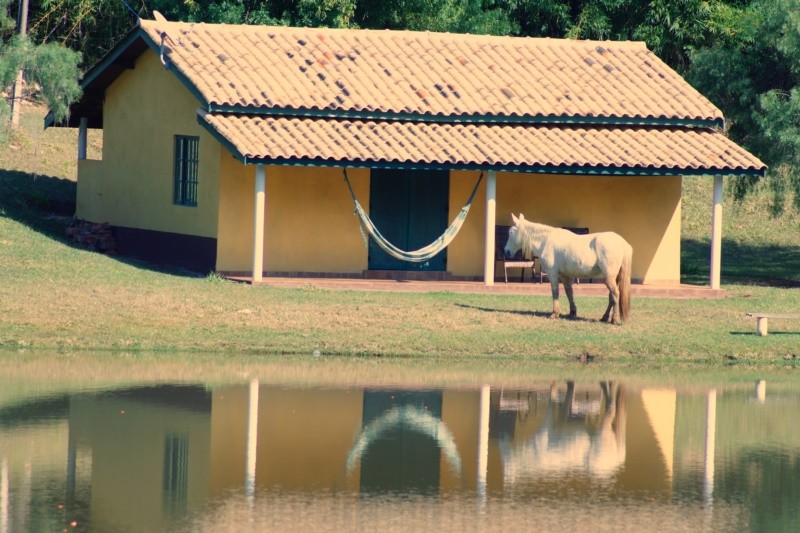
[(54, 296)]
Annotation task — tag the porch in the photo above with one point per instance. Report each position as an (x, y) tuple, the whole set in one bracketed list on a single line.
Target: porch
[(476, 287)]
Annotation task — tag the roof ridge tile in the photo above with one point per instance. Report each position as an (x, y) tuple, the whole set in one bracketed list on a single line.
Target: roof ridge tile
[(405, 73)]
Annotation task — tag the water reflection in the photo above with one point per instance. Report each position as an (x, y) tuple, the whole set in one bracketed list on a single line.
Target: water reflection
[(169, 457)]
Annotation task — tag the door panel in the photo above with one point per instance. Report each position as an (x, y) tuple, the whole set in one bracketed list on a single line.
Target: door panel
[(410, 209)]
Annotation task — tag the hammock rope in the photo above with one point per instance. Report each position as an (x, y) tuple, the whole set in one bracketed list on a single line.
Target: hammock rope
[(416, 256)]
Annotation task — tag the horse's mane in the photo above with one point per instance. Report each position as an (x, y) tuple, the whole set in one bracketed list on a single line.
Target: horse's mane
[(530, 233)]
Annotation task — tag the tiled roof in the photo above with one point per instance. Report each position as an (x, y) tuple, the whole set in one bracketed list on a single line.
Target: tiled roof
[(372, 73), (617, 149)]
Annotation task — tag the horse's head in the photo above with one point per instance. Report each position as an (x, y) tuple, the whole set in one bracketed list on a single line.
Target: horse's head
[(514, 243)]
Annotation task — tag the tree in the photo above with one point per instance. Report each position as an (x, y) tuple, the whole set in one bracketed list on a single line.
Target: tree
[(458, 16), (51, 67), (753, 75), (669, 27)]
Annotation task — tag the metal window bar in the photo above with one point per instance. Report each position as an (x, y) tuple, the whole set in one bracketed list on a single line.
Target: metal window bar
[(178, 170), (186, 169), (176, 473)]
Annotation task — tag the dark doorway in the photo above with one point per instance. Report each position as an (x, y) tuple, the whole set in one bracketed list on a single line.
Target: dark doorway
[(401, 458), (409, 207)]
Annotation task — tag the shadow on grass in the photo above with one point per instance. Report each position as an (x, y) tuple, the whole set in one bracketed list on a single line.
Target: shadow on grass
[(771, 333), (538, 314), (42, 203), (768, 265), (46, 204)]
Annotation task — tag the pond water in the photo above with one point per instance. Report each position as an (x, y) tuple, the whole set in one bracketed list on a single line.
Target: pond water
[(551, 455)]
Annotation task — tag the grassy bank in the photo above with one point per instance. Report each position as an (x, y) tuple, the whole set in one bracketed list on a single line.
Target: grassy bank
[(56, 296)]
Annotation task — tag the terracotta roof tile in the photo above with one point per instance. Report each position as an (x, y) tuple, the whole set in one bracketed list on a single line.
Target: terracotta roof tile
[(421, 73), (331, 141)]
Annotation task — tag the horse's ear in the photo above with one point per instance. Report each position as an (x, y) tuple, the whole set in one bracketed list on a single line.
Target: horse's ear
[(521, 216), (514, 219)]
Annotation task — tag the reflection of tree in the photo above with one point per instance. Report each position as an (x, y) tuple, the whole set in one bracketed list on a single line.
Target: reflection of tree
[(771, 479), (407, 417), (576, 435)]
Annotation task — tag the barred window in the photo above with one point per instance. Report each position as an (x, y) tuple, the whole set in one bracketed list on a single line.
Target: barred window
[(186, 163), (176, 473)]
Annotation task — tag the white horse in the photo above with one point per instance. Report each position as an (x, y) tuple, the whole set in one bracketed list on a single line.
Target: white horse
[(565, 255)]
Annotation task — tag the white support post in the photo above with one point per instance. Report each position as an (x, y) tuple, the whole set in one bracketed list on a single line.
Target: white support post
[(252, 441), (711, 434), (491, 216), (716, 234), (483, 440), (82, 136), (761, 391), (258, 224), (5, 500)]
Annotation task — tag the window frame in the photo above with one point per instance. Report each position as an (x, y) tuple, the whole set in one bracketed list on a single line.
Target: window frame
[(186, 166)]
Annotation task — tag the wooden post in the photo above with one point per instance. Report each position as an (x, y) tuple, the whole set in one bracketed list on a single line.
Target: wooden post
[(491, 216), (716, 234), (16, 89), (762, 326), (258, 224)]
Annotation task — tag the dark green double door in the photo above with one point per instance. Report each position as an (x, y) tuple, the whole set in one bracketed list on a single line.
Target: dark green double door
[(409, 207)]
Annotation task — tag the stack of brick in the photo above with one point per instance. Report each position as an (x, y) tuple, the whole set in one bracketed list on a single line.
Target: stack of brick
[(94, 237)]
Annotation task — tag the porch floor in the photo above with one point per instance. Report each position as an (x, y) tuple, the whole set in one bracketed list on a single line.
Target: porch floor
[(477, 287)]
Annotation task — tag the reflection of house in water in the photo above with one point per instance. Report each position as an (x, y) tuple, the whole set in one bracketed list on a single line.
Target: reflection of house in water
[(140, 458), (584, 435), (140, 455), (593, 434), (401, 443)]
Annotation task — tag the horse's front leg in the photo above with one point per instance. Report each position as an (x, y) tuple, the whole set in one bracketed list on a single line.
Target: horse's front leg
[(567, 281), (556, 305)]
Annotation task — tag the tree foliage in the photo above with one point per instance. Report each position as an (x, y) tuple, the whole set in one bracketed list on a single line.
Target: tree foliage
[(743, 54), (51, 67), (752, 74)]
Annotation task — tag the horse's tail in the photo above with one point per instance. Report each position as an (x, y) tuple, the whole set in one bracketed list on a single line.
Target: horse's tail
[(624, 285)]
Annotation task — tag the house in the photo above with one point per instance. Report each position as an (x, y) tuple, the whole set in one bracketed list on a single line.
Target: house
[(163, 456), (225, 147)]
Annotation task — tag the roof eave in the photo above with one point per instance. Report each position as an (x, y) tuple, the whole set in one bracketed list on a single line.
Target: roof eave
[(99, 77), (95, 81), (473, 118), (531, 169)]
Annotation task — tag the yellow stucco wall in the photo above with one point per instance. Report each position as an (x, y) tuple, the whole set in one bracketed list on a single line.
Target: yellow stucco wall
[(310, 226), (309, 222), (644, 210), (133, 185)]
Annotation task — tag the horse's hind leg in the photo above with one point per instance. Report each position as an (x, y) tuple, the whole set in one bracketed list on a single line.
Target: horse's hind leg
[(567, 281), (607, 314), (556, 305), (612, 312)]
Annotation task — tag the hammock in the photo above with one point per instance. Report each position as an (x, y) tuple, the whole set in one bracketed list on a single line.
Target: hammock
[(416, 256)]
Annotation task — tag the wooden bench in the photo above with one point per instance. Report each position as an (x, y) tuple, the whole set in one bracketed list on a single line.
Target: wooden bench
[(762, 320), (518, 261)]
